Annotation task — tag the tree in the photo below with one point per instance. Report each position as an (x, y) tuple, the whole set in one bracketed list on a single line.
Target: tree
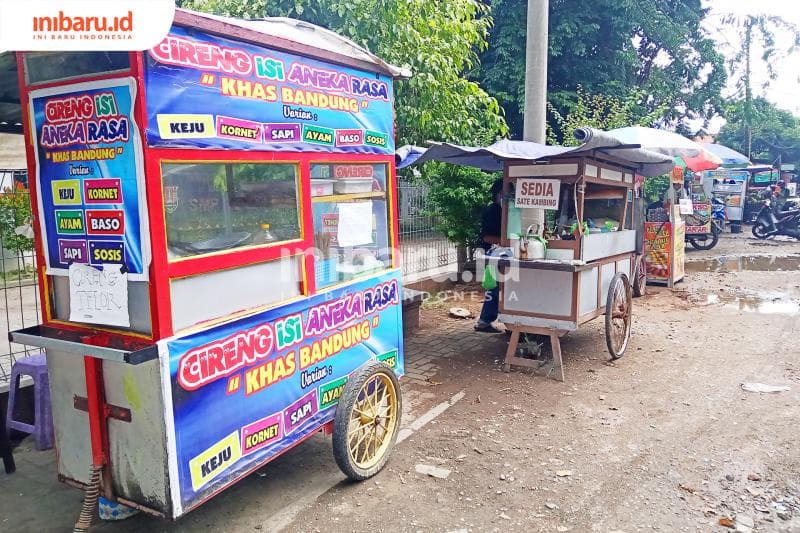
[(614, 48), (773, 133), (752, 28), (598, 111), (438, 41)]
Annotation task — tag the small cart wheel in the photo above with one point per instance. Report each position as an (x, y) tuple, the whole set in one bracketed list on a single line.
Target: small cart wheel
[(618, 315), (639, 276), (367, 421)]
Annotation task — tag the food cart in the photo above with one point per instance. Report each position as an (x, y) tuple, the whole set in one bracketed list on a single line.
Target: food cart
[(590, 239), (216, 232), (728, 185)]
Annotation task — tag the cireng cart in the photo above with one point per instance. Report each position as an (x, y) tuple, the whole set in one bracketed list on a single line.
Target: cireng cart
[(215, 230), (591, 242)]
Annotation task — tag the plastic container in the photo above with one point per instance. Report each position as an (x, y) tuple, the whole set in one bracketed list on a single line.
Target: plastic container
[(325, 271), (320, 187), (352, 186)]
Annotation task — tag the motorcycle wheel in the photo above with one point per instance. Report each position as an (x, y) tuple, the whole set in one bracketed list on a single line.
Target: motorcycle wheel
[(760, 231), (707, 244)]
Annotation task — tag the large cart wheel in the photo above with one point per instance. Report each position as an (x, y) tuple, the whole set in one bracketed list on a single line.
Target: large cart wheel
[(618, 315), (639, 276), (367, 421)]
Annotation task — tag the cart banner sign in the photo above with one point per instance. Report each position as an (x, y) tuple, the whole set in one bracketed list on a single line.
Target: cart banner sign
[(658, 245), (699, 222), (245, 391), (206, 91), (536, 193), (90, 178)]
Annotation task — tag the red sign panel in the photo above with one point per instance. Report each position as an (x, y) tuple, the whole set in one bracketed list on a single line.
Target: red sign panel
[(349, 137), (105, 222), (102, 191), (352, 171)]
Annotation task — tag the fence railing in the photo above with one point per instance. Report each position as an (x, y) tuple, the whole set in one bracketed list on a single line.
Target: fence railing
[(423, 248), (19, 296)]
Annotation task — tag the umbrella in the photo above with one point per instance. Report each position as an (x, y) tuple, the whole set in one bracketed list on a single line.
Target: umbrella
[(728, 156), (694, 155)]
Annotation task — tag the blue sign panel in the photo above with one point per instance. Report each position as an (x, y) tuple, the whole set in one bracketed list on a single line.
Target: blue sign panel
[(205, 91), (88, 164), (247, 390)]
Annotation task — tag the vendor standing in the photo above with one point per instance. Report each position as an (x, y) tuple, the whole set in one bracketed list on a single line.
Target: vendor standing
[(491, 228)]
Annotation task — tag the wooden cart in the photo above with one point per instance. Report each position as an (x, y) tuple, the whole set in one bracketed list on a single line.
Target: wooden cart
[(583, 276)]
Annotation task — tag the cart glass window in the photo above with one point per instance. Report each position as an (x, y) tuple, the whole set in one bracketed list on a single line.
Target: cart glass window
[(52, 66), (214, 207), (351, 221)]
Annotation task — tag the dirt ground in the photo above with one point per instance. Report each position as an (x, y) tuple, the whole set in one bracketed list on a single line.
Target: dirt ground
[(665, 439)]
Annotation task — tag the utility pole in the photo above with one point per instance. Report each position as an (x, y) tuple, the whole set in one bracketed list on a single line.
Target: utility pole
[(535, 117), (536, 49)]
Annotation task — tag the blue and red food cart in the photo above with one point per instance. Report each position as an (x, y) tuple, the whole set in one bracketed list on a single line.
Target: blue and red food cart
[(216, 237)]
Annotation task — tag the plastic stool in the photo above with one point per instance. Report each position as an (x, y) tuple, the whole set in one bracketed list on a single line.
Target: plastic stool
[(42, 427)]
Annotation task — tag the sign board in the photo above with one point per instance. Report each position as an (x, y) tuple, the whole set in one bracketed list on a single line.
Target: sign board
[(685, 206), (98, 296), (244, 391), (537, 194), (90, 177), (699, 221), (210, 92)]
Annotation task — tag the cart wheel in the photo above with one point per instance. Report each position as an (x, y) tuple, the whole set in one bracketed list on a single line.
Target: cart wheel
[(367, 421), (618, 315), (639, 276)]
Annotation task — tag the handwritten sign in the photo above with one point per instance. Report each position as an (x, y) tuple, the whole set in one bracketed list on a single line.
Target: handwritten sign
[(98, 296), (538, 194)]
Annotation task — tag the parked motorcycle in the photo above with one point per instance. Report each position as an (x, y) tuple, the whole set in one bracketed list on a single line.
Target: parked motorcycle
[(785, 222), (706, 241)]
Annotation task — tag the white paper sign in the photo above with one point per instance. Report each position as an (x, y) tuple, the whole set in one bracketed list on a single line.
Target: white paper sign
[(98, 296), (355, 224), (686, 206), (537, 194)]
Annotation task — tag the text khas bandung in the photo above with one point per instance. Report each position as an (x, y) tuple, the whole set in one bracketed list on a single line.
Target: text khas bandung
[(220, 359)]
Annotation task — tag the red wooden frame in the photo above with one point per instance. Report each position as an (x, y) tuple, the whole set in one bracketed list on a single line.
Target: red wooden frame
[(161, 270)]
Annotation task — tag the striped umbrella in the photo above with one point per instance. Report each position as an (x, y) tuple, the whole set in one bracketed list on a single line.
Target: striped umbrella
[(695, 157)]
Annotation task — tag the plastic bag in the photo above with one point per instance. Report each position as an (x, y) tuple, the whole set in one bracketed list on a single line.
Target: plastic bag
[(489, 278)]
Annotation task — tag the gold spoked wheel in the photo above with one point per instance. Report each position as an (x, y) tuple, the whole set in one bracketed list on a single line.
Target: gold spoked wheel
[(619, 305), (367, 420)]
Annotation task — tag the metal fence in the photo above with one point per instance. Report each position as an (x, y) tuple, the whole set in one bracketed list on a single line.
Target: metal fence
[(423, 249), (19, 297)]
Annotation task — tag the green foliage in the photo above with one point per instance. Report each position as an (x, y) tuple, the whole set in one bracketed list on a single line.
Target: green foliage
[(597, 111), (457, 197), (775, 132), (438, 41), (761, 29), (15, 210), (613, 48), (655, 187)]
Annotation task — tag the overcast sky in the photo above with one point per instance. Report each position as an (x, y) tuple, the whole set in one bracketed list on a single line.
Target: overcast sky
[(785, 90)]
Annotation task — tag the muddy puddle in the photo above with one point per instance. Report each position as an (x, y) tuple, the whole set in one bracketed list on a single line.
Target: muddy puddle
[(753, 263), (753, 303)]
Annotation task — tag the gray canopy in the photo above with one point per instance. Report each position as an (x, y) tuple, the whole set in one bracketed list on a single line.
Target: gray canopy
[(596, 143)]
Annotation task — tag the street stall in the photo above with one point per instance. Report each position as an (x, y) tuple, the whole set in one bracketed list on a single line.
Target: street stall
[(216, 231), (729, 185), (665, 236), (581, 266)]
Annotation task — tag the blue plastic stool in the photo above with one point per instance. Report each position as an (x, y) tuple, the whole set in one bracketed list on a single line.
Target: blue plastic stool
[(34, 366)]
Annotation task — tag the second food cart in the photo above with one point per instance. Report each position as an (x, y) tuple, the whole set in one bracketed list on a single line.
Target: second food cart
[(590, 239)]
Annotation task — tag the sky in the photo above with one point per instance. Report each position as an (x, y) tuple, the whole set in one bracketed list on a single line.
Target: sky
[(785, 89)]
